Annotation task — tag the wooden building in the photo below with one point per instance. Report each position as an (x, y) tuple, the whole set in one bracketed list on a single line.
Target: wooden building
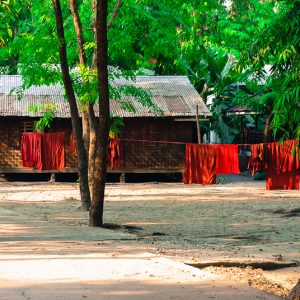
[(249, 132), (173, 95)]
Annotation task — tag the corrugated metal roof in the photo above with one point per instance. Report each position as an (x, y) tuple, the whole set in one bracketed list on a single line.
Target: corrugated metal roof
[(241, 110), (173, 95)]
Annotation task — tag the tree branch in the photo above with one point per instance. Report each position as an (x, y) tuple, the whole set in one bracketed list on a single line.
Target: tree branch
[(109, 25), (114, 15), (78, 30)]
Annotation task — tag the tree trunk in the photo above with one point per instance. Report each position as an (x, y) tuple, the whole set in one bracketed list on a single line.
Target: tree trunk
[(82, 61), (82, 155), (267, 126), (89, 125), (114, 14), (94, 128), (100, 168), (78, 30), (85, 129), (109, 25)]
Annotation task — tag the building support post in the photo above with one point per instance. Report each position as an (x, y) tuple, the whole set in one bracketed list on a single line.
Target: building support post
[(198, 125), (2, 177), (123, 178), (52, 177)]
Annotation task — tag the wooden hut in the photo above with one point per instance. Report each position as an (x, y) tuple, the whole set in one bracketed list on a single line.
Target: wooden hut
[(174, 96)]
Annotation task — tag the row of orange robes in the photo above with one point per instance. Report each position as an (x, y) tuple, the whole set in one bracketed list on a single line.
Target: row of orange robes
[(44, 151)]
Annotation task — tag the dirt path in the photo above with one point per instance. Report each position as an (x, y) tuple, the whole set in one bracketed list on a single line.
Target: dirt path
[(232, 224)]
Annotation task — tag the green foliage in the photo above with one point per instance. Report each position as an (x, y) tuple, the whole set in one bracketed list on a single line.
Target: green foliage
[(278, 46), (48, 110), (216, 45), (35, 46), (13, 14), (115, 126), (147, 40)]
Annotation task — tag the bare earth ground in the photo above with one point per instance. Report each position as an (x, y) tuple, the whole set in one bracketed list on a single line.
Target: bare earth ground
[(236, 229)]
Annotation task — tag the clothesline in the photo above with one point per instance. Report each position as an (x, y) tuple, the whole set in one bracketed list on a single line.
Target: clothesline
[(203, 161), (177, 143), (282, 168), (153, 141)]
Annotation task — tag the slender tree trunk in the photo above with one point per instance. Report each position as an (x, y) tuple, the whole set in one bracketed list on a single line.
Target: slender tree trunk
[(268, 126), (89, 125), (83, 62), (114, 14), (94, 129), (85, 129), (78, 30), (109, 25), (100, 168), (94, 125), (82, 155)]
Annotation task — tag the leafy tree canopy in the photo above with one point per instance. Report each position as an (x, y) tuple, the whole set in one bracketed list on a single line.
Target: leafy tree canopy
[(216, 43), (278, 89)]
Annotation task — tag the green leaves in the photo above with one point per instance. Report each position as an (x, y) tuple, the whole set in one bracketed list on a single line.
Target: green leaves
[(11, 13), (48, 110), (278, 45), (215, 44)]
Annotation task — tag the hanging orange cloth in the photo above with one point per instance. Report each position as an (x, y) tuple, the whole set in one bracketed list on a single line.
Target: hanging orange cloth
[(114, 154), (283, 165), (257, 158), (53, 151), (200, 162), (31, 149), (72, 143), (227, 159)]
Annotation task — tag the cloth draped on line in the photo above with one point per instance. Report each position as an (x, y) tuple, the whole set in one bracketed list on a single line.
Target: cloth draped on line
[(114, 154), (53, 151), (257, 161), (227, 159), (200, 162), (204, 161), (45, 151), (72, 143), (113, 151), (31, 149), (282, 165)]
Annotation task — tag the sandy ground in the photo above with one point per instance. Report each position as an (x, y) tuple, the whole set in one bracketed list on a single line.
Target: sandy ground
[(236, 228)]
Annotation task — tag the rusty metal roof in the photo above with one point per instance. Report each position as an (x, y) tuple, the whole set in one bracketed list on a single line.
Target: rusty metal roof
[(241, 110), (173, 95)]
